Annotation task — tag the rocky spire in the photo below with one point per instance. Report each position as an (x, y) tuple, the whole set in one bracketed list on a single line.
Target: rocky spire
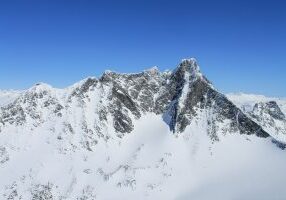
[(189, 66)]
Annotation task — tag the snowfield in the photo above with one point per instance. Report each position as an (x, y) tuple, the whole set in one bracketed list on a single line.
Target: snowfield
[(150, 163)]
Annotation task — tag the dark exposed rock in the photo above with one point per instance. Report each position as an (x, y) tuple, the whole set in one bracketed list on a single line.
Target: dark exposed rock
[(279, 144), (88, 84), (122, 122), (271, 108), (121, 98)]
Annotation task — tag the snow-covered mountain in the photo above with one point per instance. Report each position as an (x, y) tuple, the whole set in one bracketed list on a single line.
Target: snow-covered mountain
[(150, 135), (268, 112)]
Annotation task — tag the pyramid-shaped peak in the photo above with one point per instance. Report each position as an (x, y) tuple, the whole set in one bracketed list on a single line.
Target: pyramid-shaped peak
[(188, 60), (189, 64), (188, 67)]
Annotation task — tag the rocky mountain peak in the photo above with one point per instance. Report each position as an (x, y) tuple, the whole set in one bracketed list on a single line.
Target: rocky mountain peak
[(189, 65), (186, 73), (271, 108)]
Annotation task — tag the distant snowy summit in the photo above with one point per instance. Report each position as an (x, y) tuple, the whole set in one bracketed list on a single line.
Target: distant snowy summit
[(100, 133), (269, 112)]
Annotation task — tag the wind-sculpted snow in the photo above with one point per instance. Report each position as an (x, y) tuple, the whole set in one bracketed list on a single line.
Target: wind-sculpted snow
[(149, 135)]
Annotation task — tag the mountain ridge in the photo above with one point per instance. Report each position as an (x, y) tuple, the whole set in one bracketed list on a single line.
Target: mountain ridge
[(185, 77)]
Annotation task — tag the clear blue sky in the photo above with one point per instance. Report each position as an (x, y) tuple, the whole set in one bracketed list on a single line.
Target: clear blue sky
[(240, 45)]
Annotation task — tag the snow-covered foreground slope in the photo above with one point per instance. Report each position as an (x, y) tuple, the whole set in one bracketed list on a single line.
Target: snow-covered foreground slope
[(150, 163), (149, 135)]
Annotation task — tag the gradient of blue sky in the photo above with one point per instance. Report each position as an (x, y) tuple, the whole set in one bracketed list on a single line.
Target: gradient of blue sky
[(240, 45)]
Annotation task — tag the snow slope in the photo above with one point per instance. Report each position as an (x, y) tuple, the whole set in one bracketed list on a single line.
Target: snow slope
[(149, 164)]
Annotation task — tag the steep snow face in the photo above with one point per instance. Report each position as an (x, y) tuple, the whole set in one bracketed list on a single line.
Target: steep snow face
[(148, 135)]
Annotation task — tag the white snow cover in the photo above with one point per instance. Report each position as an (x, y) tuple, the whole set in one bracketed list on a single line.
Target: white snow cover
[(150, 163)]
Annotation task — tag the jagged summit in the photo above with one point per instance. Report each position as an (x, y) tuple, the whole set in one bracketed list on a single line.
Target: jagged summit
[(151, 71), (189, 65)]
